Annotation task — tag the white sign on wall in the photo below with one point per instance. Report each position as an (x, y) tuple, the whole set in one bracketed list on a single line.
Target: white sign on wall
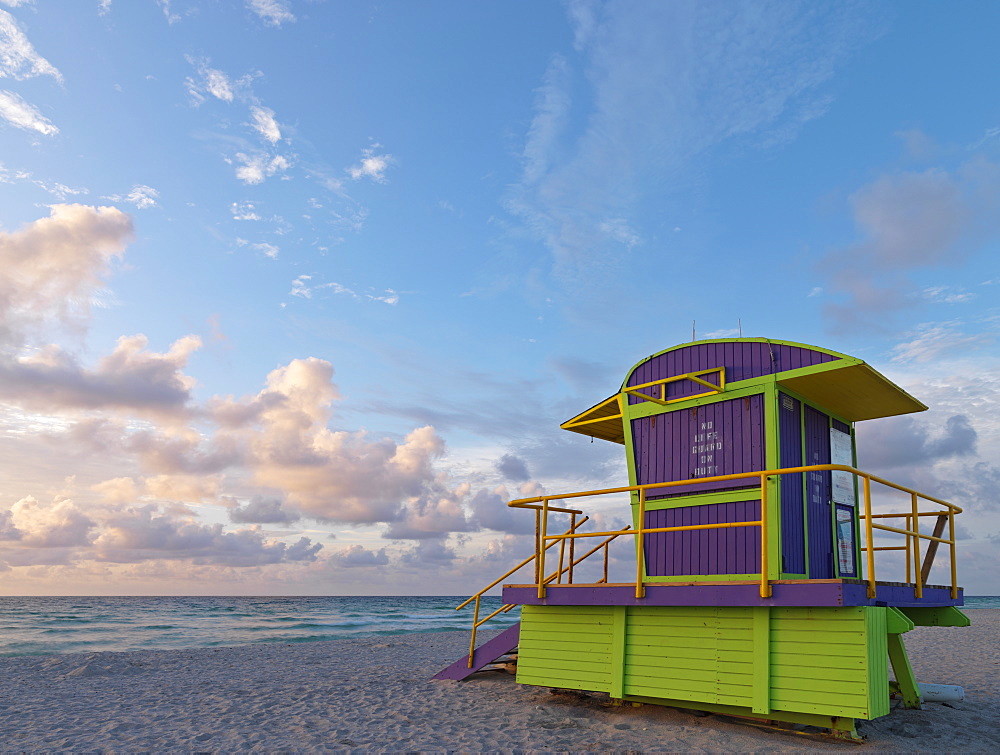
[(842, 452)]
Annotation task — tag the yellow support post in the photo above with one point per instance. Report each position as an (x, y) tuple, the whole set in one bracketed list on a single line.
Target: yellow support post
[(951, 546), (765, 584), (640, 553), (540, 558), (918, 590), (869, 538)]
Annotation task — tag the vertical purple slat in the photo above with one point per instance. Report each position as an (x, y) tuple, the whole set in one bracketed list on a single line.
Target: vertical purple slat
[(741, 359), (792, 524), (735, 550), (818, 520)]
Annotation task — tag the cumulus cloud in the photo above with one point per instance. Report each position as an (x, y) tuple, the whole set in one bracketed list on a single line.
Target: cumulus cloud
[(272, 12), (141, 533), (371, 165), (265, 124), (21, 114), (130, 377), (53, 266), (490, 511), (513, 468), (357, 555), (903, 441), (262, 510), (56, 525)]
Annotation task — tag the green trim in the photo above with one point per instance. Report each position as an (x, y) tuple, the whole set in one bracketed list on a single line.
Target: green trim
[(937, 616), (761, 618), (618, 634), (836, 354), (707, 578), (772, 461), (719, 496), (897, 622), (745, 388), (839, 724), (904, 672)]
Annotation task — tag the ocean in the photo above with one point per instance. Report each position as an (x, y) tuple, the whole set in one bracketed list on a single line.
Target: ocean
[(46, 625)]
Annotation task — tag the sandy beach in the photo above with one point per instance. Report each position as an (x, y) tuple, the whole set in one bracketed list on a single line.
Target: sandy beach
[(375, 695)]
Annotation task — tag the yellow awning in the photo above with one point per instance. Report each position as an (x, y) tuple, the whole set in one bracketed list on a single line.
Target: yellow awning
[(853, 391), (602, 421)]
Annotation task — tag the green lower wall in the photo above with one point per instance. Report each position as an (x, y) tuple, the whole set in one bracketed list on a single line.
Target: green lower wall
[(825, 661)]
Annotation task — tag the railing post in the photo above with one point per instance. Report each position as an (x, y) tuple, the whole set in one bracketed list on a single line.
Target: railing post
[(909, 550), (918, 577), (640, 551), (951, 545), (475, 627), (606, 561), (538, 542), (572, 548), (869, 537), (765, 584), (541, 551)]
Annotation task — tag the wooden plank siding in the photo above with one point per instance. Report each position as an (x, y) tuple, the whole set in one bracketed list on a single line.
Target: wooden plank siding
[(826, 661)]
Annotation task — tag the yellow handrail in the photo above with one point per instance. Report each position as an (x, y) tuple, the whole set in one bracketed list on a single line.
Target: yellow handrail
[(913, 535)]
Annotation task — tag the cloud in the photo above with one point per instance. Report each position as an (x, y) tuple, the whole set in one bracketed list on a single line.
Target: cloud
[(244, 211), (358, 556), (257, 166), (143, 197), (490, 511), (103, 7), (911, 221), (211, 81), (53, 266), (931, 341), (371, 166), (262, 511), (272, 12), (265, 124), (130, 378), (23, 115), (18, 58), (647, 111), (301, 289), (56, 525), (513, 468), (904, 441), (268, 250), (141, 533)]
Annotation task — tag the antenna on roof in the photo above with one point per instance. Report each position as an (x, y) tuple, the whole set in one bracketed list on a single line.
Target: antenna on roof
[(692, 331), (739, 325)]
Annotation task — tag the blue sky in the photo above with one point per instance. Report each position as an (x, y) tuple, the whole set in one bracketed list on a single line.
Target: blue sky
[(295, 293)]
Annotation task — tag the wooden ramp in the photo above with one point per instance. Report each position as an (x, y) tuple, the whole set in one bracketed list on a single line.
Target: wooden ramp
[(485, 654)]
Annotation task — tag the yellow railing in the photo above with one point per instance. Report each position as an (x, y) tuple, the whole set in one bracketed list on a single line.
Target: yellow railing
[(557, 575), (544, 541)]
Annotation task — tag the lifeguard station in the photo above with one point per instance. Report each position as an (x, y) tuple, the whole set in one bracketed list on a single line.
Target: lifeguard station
[(756, 542)]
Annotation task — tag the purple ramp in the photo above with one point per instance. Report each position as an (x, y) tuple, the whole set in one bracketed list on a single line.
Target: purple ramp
[(485, 654)]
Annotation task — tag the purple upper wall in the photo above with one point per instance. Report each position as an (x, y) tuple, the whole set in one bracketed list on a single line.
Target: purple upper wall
[(742, 359)]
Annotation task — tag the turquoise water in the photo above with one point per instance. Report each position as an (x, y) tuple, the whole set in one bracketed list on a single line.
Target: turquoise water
[(37, 626)]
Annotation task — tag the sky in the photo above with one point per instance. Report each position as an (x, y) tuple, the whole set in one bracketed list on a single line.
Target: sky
[(294, 294)]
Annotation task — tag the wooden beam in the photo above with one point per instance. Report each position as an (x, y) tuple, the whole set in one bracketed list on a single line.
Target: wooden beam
[(932, 547)]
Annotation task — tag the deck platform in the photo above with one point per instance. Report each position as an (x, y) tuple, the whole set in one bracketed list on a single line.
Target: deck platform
[(807, 592)]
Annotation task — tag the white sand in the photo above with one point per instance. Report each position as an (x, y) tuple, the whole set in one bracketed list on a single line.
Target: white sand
[(369, 695)]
